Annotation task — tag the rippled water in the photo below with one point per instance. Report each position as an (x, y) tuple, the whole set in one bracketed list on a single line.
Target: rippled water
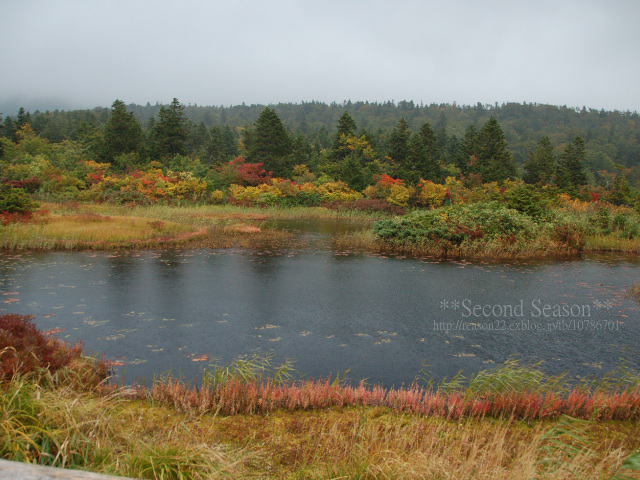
[(384, 319)]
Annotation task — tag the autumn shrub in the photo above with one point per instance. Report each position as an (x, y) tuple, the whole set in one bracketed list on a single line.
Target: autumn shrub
[(23, 348)]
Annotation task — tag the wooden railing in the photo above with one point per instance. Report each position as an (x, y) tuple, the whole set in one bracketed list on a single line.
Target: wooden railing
[(28, 471)]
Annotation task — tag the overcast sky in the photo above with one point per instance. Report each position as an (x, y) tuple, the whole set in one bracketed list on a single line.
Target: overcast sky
[(83, 53)]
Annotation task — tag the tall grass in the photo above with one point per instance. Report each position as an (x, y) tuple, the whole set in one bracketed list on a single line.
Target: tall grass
[(322, 429)]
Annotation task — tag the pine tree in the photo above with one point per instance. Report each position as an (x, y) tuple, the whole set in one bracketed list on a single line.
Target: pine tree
[(271, 143), (468, 151), (399, 143), (540, 167), (346, 129), (170, 132), (221, 145), (23, 117), (423, 158), (122, 133), (571, 173), (494, 162)]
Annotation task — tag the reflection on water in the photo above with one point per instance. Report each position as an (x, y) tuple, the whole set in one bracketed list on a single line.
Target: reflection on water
[(382, 318)]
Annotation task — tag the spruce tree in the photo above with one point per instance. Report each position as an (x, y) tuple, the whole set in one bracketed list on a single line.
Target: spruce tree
[(571, 173), (494, 162), (122, 133), (540, 167), (23, 117), (346, 129), (423, 159), (468, 151), (399, 143), (271, 143), (170, 132)]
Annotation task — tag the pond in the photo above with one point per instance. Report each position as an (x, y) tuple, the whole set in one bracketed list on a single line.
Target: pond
[(383, 319)]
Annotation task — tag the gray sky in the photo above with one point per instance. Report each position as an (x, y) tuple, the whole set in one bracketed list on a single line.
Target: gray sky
[(82, 53)]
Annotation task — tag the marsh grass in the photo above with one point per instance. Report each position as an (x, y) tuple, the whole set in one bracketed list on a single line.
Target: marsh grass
[(76, 226), (320, 430)]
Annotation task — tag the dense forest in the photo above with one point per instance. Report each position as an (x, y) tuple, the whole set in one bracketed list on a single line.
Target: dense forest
[(612, 138)]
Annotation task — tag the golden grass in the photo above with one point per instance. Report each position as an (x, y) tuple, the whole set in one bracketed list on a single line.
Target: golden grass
[(84, 231), (611, 243), (114, 434)]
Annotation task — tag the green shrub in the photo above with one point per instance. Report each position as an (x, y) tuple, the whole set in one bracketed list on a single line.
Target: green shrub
[(457, 224), (16, 200)]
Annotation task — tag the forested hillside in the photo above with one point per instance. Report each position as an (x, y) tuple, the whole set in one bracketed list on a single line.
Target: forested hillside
[(611, 137)]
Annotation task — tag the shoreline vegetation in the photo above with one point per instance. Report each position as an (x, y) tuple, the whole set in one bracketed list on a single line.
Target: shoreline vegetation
[(252, 419), (93, 226), (415, 189)]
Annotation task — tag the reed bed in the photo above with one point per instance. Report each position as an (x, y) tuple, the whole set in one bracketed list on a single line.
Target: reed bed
[(237, 397)]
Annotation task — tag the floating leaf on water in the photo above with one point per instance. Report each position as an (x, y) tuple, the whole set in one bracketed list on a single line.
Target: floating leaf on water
[(276, 339), (268, 326), (54, 331), (304, 333), (200, 358)]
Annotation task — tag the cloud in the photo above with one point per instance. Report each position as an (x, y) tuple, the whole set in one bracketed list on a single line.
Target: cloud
[(83, 53)]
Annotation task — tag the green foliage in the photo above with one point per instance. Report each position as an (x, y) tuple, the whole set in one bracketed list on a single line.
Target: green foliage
[(270, 143), (456, 224), (571, 173), (122, 136), (529, 200), (248, 369), (540, 167), (15, 200), (494, 162), (169, 133), (346, 129)]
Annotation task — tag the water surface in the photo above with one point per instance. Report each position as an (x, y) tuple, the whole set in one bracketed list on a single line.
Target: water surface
[(381, 318)]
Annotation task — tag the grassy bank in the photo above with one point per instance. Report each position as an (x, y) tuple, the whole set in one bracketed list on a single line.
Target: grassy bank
[(250, 420), (78, 226)]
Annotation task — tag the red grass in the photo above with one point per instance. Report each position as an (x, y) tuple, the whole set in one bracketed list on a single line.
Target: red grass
[(23, 348), (238, 397)]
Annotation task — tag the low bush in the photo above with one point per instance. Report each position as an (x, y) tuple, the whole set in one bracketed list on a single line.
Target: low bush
[(457, 224), (24, 349)]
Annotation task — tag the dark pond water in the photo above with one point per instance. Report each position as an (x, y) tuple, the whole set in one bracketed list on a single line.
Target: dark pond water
[(382, 318)]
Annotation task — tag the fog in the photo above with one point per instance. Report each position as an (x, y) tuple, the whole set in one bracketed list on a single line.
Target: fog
[(83, 53)]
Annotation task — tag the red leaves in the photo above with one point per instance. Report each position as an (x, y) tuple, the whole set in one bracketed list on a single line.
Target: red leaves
[(238, 397), (250, 173), (387, 181), (24, 348)]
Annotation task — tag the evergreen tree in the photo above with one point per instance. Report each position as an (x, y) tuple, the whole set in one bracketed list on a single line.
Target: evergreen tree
[(346, 129), (468, 151), (122, 133), (571, 173), (494, 162), (540, 167), (399, 143), (221, 145), (169, 136), (23, 117), (271, 143), (423, 159)]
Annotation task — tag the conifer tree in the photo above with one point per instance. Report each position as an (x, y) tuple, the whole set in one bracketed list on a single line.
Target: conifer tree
[(170, 132), (122, 133), (399, 143), (540, 167), (423, 159), (571, 173), (346, 129), (494, 162), (271, 143), (468, 150)]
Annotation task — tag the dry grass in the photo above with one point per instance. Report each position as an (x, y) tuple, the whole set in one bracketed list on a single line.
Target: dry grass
[(76, 226), (113, 434), (612, 243)]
